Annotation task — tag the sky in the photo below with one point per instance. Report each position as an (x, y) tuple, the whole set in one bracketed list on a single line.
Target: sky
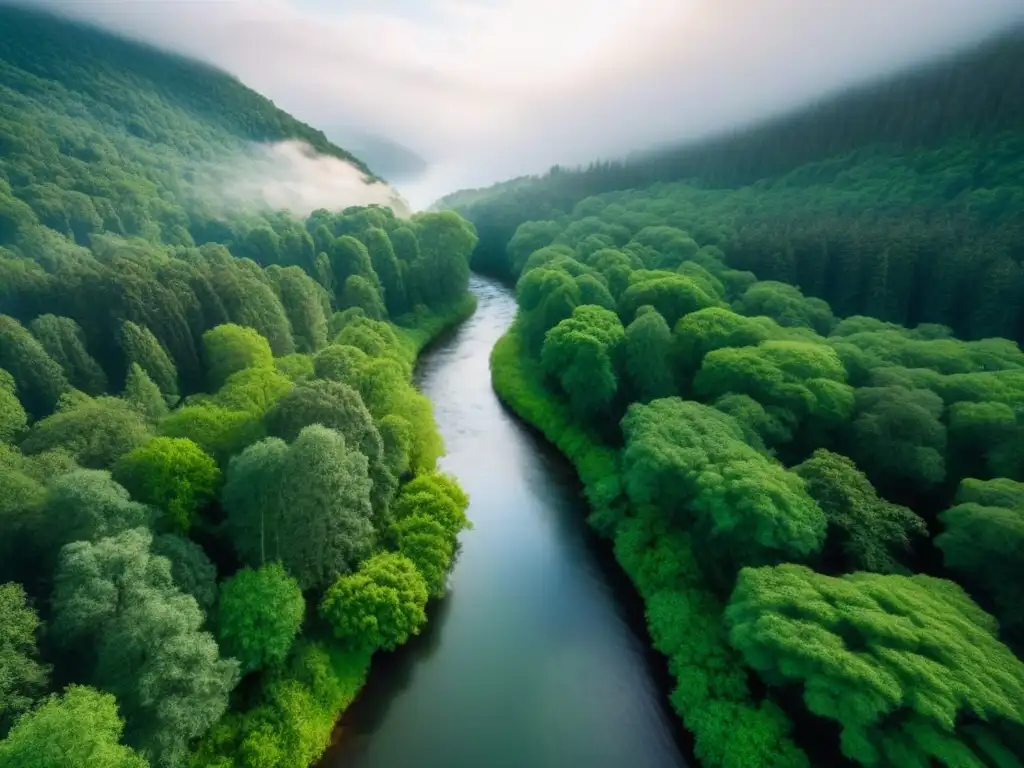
[(489, 89)]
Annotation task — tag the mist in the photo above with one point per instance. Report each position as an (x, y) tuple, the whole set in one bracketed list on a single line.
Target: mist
[(489, 89), (290, 176)]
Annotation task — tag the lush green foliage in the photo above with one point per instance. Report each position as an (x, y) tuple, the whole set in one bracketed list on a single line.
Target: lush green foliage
[(902, 663), (172, 474), (378, 606), (260, 615), (900, 200), (683, 617), (306, 504), (23, 678), (118, 599), (153, 335), (982, 542), (724, 419), (78, 729)]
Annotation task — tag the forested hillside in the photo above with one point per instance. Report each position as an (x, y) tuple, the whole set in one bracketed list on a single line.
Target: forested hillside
[(218, 486), (902, 200), (795, 417)]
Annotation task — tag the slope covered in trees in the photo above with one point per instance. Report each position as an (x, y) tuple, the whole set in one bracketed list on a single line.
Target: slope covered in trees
[(795, 406), (901, 199), (218, 486)]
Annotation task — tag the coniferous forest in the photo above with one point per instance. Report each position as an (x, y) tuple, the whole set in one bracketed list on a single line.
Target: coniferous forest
[(784, 362)]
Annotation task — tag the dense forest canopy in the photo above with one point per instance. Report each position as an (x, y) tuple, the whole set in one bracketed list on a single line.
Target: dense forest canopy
[(783, 361), (901, 199), (215, 473)]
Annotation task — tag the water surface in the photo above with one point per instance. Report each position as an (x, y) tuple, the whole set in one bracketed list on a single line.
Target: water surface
[(530, 661)]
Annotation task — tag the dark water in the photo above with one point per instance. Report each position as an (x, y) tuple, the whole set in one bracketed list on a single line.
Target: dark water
[(530, 661)]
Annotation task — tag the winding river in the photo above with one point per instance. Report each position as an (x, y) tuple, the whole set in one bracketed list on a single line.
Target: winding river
[(532, 660)]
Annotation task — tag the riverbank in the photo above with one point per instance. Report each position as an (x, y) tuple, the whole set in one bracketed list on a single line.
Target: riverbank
[(684, 618), (300, 704), (417, 330)]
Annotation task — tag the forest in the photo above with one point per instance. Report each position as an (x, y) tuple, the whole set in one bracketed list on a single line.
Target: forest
[(796, 405), (902, 199), (218, 486), (784, 363)]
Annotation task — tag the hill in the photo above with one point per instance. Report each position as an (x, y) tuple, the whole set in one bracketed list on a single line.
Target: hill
[(175, 351), (83, 112), (393, 161), (921, 172)]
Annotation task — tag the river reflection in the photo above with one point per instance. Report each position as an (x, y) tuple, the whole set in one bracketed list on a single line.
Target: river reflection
[(530, 661)]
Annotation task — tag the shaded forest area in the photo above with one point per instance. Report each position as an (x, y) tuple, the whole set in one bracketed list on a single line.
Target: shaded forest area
[(902, 199), (797, 407), (218, 485)]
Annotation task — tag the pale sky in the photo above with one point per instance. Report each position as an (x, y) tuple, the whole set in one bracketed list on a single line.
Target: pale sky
[(488, 89)]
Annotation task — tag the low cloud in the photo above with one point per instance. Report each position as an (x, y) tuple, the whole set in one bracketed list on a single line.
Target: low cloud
[(486, 89), (287, 175)]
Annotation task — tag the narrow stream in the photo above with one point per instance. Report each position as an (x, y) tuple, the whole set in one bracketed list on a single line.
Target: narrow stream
[(531, 661)]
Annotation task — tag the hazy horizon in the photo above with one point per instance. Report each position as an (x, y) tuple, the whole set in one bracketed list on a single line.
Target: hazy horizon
[(486, 90)]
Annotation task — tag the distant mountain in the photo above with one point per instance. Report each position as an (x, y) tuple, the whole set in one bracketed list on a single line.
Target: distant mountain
[(100, 134), (390, 159)]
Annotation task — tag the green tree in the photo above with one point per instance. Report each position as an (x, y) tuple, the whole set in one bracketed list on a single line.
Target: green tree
[(981, 543), (97, 432), (692, 462), (706, 330), (13, 419), (192, 571), (88, 505), (349, 258), (379, 606), (787, 306), (671, 246), (220, 432), (78, 729), (360, 293), (64, 341), (865, 532), (172, 474), (250, 302), (429, 546), (142, 347), (232, 348), (388, 269), (117, 597), (338, 407), (438, 497), (584, 354), (38, 378), (530, 236), (306, 304), (806, 382), (446, 242), (855, 644), (648, 355), (897, 436), (253, 390), (545, 298), (260, 615), (672, 295), (306, 504), (22, 677), (144, 395)]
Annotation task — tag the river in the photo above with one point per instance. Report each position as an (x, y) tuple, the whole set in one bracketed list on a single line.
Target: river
[(531, 660)]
